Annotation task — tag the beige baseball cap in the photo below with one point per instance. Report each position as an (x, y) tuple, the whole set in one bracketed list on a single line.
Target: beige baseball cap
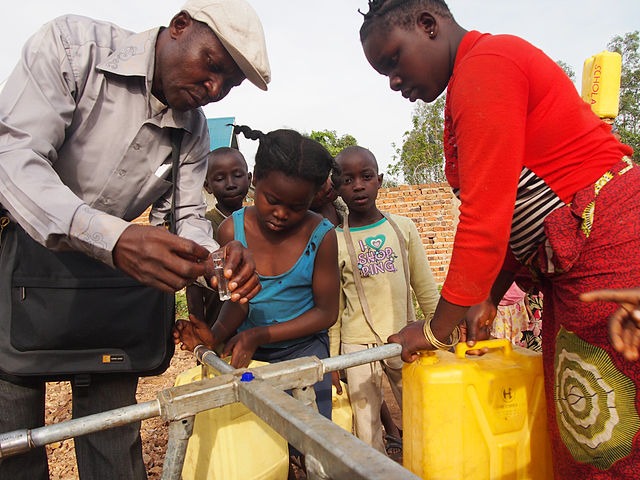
[(238, 28)]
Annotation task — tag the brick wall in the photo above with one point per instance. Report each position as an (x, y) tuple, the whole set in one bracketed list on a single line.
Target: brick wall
[(431, 206)]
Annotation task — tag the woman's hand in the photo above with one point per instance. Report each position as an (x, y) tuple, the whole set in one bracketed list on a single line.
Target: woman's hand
[(191, 333), (412, 338), (240, 269), (478, 321), (624, 323), (412, 341), (241, 347)]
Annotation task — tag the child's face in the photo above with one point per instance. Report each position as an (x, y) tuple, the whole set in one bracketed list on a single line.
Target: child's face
[(325, 195), (282, 201), (360, 181), (417, 64), (228, 180)]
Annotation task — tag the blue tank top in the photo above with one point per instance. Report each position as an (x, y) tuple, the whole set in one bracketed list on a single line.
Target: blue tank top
[(288, 295)]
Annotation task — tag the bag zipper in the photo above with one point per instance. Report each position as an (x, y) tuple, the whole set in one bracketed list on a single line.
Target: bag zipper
[(4, 221)]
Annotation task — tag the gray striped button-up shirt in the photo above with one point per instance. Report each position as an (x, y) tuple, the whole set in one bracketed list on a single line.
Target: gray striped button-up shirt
[(84, 145)]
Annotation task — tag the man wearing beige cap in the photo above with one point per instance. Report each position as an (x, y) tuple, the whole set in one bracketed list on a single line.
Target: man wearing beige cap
[(85, 148)]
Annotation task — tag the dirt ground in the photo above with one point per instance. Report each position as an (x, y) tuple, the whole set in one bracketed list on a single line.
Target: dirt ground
[(62, 464)]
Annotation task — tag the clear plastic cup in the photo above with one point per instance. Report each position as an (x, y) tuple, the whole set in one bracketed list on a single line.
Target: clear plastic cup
[(217, 259)]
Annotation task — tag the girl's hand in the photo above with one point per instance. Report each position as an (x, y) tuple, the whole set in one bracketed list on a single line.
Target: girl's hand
[(192, 332), (624, 323), (241, 347), (240, 269), (335, 380), (412, 340)]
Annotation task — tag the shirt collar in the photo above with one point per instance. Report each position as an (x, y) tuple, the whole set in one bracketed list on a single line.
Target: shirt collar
[(135, 57), (466, 44)]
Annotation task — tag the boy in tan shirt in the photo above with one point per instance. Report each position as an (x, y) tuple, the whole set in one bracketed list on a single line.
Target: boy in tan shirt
[(388, 260)]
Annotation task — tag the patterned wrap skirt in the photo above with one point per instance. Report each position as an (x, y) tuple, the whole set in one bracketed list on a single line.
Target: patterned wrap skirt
[(592, 392)]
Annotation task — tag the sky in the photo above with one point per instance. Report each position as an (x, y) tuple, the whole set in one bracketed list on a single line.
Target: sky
[(320, 77)]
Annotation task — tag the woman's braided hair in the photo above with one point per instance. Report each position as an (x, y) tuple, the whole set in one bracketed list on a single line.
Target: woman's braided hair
[(291, 153), (393, 13)]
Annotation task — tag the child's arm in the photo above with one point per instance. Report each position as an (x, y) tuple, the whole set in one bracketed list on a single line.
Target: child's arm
[(240, 265), (229, 320), (196, 332), (231, 314), (195, 300), (335, 340), (326, 288), (225, 231), (193, 332), (335, 332)]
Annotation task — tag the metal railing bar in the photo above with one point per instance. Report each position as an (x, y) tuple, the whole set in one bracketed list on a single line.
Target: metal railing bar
[(20, 441), (342, 454)]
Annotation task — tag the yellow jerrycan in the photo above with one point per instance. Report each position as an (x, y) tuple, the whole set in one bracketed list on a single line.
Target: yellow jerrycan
[(232, 442), (341, 411), (480, 417), (601, 83)]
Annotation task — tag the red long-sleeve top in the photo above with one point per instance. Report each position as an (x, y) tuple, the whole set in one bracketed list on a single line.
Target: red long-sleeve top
[(510, 106)]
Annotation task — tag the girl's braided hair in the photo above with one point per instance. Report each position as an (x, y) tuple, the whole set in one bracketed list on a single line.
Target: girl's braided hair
[(393, 13), (291, 153)]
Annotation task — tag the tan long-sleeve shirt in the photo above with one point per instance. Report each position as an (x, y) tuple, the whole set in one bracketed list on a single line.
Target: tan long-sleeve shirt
[(84, 145), (380, 266)]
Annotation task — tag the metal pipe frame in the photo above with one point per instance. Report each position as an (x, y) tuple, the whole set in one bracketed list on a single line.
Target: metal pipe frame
[(331, 452)]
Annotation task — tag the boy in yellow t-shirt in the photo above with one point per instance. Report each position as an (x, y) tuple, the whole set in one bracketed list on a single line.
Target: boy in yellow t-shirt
[(388, 260)]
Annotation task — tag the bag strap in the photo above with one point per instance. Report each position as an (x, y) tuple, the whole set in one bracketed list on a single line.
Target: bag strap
[(405, 263), (176, 140), (358, 281)]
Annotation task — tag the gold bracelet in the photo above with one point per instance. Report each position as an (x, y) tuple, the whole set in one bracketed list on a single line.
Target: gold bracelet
[(431, 338)]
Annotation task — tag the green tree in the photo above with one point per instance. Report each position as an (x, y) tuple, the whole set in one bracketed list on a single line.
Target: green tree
[(332, 142), (567, 69), (421, 157), (628, 120)]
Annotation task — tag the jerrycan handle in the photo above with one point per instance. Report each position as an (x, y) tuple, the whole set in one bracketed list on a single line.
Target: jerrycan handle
[(504, 343)]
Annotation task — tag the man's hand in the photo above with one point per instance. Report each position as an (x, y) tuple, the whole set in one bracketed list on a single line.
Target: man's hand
[(624, 323), (240, 269), (157, 258)]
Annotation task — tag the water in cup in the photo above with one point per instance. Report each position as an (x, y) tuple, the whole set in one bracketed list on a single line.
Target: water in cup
[(218, 270)]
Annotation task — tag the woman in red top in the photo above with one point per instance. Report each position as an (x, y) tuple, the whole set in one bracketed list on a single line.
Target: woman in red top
[(542, 183)]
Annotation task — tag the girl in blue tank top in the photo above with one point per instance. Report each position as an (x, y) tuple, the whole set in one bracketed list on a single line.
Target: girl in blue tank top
[(295, 251)]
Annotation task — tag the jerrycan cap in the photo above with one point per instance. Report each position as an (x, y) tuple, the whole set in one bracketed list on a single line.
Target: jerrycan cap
[(503, 344), (427, 357)]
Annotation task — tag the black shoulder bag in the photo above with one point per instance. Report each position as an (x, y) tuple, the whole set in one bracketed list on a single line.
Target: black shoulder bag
[(64, 314)]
